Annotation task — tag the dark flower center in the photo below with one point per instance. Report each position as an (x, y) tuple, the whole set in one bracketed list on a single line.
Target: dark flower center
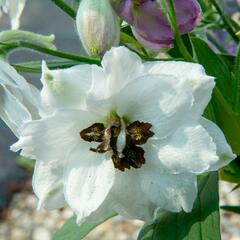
[(136, 133)]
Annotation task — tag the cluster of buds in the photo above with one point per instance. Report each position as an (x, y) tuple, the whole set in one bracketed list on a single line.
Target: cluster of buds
[(98, 27)]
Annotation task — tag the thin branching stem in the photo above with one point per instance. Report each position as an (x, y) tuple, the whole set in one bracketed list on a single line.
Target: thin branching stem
[(22, 44), (227, 23), (179, 41), (65, 7)]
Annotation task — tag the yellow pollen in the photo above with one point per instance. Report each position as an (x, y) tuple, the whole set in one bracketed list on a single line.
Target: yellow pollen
[(138, 136)]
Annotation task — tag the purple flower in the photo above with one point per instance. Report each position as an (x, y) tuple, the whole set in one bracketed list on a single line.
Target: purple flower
[(150, 26)]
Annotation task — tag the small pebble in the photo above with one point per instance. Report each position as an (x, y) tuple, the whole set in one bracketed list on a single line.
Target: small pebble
[(24, 222), (41, 233)]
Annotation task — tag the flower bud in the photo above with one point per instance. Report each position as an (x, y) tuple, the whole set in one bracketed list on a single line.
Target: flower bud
[(149, 24), (97, 25)]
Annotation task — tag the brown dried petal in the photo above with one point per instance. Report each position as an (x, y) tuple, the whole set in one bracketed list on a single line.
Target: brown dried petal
[(134, 156), (139, 132), (109, 140), (131, 156), (94, 133)]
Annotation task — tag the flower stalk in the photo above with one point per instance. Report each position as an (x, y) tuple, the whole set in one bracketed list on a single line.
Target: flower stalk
[(173, 20), (23, 44), (65, 7)]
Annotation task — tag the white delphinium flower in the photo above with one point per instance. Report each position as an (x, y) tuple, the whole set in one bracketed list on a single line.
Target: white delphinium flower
[(14, 8), (127, 136)]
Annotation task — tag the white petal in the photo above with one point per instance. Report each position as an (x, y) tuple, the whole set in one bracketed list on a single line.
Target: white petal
[(65, 88), (48, 185), (224, 151), (105, 208), (15, 10), (161, 100), (189, 150), (19, 100), (202, 85), (53, 136), (119, 67), (88, 179), (172, 192), (49, 141), (98, 91), (127, 197), (13, 112)]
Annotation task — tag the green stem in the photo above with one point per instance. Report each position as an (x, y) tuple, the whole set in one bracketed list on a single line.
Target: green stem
[(125, 38), (161, 59), (36, 66), (163, 6), (75, 4), (27, 67), (183, 48), (65, 7), (19, 44), (179, 41), (227, 23)]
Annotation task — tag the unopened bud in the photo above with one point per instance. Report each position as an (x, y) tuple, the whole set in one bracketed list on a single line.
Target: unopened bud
[(97, 25)]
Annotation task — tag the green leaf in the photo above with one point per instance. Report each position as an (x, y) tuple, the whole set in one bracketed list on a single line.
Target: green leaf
[(201, 224), (237, 83), (229, 60), (214, 66), (222, 103), (231, 172), (234, 209), (71, 231), (226, 119)]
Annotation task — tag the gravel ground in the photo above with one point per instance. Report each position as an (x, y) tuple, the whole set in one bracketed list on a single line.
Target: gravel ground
[(24, 222), (230, 221)]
